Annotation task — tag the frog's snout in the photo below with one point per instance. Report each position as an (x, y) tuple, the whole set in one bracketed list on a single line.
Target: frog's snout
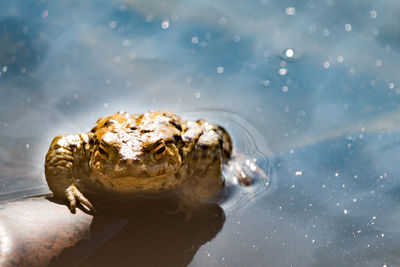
[(130, 161)]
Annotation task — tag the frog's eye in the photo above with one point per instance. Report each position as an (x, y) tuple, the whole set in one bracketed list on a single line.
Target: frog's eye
[(102, 151), (159, 151)]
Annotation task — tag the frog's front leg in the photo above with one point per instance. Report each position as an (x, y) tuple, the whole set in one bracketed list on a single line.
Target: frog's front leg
[(210, 146), (67, 154)]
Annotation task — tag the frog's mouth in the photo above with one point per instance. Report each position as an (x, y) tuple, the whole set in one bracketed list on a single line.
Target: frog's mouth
[(131, 184)]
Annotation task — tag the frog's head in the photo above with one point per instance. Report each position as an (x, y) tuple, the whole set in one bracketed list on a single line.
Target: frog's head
[(139, 153)]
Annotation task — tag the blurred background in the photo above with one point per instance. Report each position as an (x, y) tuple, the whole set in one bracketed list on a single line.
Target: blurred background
[(317, 80)]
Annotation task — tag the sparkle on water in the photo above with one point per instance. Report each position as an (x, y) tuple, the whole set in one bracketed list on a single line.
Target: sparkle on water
[(195, 40), (165, 24), (282, 71), (290, 11), (289, 53), (45, 13)]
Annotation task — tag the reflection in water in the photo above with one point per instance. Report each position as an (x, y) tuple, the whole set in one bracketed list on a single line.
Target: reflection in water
[(5, 245), (146, 236)]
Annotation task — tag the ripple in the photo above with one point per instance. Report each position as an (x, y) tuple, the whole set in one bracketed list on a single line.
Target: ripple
[(248, 172)]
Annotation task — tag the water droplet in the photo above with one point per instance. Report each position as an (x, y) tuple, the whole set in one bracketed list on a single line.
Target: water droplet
[(45, 13), (5, 69), (222, 21), (326, 32), (391, 85), (149, 18), (298, 173), (174, 17), (27, 146), (165, 24), (195, 40), (378, 63), (289, 53), (126, 42), (345, 211), (236, 38), (373, 14), (327, 64), (340, 59), (336, 174), (203, 44), (132, 55), (347, 27), (290, 11), (220, 70), (266, 83), (282, 71), (312, 28), (197, 95), (113, 24), (285, 89)]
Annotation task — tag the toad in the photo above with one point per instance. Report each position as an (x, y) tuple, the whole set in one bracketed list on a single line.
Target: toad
[(143, 155)]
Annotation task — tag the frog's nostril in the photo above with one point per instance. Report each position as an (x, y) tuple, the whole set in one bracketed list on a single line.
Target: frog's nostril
[(129, 161)]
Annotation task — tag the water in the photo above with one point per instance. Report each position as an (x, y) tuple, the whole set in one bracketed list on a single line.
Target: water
[(309, 90)]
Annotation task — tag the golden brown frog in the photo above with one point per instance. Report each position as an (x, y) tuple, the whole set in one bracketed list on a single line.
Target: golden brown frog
[(143, 155)]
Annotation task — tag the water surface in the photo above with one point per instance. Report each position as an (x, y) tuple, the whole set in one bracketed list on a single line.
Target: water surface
[(315, 84)]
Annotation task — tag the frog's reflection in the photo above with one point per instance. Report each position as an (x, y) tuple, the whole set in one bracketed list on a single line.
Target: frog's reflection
[(146, 236)]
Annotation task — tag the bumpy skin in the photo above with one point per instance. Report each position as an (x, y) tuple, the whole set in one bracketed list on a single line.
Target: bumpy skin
[(142, 155)]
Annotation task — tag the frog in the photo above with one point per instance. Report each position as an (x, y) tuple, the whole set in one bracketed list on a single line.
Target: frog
[(147, 155)]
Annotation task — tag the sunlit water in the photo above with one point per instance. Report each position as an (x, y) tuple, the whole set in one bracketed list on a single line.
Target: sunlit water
[(314, 86)]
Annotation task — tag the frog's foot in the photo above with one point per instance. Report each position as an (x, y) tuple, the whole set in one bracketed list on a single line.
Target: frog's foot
[(73, 195), (245, 170), (182, 208)]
